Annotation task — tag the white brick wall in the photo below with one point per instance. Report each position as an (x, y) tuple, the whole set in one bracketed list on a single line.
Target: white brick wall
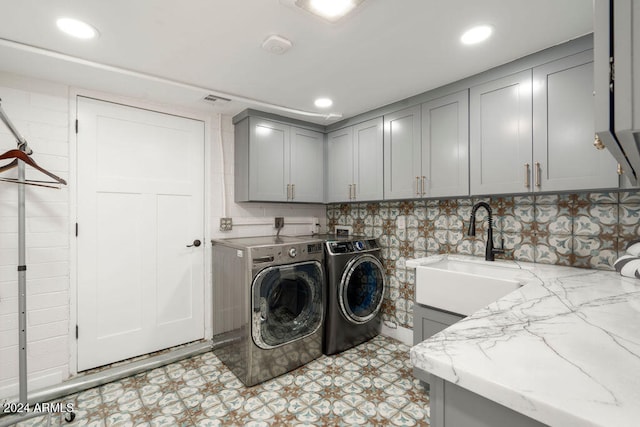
[(43, 120), (40, 111)]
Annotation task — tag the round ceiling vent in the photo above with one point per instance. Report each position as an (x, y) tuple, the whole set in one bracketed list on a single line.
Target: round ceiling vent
[(276, 44)]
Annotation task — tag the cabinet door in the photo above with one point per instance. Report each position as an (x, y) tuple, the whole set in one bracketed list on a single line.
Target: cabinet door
[(445, 145), (500, 137), (268, 160), (340, 165), (402, 168), (307, 166), (563, 116), (368, 176)]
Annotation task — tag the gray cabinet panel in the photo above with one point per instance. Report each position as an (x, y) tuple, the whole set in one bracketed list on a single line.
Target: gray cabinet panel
[(454, 406), (564, 157), (268, 160), (339, 165), (307, 167), (445, 146), (604, 121), (626, 52), (402, 154), (368, 176), (428, 321), (500, 140)]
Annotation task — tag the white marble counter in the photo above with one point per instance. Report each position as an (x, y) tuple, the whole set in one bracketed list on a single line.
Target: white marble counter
[(564, 349)]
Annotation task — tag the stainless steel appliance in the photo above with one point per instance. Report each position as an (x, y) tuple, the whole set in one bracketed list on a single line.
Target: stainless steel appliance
[(268, 304), (355, 290)]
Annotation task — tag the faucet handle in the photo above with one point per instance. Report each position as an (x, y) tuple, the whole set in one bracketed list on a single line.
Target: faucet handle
[(499, 250)]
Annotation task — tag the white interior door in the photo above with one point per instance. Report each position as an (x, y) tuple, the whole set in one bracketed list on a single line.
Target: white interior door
[(140, 203)]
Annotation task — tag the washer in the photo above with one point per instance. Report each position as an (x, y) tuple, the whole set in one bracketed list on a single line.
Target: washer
[(268, 304), (355, 290)]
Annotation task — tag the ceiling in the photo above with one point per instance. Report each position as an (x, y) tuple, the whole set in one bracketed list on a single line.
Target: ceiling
[(177, 52)]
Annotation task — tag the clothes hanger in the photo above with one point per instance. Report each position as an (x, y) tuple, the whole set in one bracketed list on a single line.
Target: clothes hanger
[(20, 155)]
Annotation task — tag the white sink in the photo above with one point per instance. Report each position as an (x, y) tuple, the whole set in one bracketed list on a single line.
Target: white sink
[(464, 286)]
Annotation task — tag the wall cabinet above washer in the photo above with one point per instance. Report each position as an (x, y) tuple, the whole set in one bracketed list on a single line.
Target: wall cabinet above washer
[(276, 162), (355, 162)]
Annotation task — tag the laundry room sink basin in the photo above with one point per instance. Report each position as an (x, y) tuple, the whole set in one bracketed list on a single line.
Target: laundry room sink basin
[(464, 286)]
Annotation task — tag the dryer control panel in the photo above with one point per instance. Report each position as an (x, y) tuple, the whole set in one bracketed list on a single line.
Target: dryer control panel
[(347, 247)]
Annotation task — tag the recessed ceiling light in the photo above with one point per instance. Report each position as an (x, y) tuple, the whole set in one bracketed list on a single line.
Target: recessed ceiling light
[(476, 34), (323, 102), (331, 10), (76, 28)]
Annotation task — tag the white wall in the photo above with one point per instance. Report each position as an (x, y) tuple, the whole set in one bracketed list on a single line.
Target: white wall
[(40, 111)]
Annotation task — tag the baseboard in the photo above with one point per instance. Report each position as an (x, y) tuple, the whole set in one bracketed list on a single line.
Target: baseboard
[(400, 333)]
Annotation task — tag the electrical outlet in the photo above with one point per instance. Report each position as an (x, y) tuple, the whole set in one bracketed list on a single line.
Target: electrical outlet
[(226, 224), (401, 222), (279, 222)]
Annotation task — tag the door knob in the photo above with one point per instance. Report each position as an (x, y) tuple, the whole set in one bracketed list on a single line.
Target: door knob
[(196, 243)]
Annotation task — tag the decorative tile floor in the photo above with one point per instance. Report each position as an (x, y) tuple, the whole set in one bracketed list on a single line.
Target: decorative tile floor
[(371, 385)]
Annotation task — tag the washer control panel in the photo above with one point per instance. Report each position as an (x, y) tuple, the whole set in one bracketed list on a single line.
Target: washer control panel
[(279, 254)]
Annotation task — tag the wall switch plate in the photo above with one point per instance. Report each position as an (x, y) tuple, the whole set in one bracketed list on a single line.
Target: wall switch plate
[(226, 224), (279, 223)]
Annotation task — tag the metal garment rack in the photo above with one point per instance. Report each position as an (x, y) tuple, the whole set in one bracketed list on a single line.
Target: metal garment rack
[(22, 273)]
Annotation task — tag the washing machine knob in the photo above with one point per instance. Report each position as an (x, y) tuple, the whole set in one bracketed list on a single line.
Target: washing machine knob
[(293, 252), (359, 245)]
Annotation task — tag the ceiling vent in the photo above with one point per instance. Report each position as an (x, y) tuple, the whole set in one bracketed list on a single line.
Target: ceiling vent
[(216, 99), (276, 44)]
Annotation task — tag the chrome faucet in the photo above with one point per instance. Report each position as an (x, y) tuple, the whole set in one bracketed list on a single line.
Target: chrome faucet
[(490, 251)]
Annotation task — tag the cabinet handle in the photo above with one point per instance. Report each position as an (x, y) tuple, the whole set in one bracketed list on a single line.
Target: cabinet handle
[(288, 191), (354, 192), (538, 173), (526, 175), (417, 185), (293, 191), (619, 169), (598, 143), (423, 185), (350, 198)]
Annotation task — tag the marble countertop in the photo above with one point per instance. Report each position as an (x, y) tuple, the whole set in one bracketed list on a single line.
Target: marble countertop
[(564, 349)]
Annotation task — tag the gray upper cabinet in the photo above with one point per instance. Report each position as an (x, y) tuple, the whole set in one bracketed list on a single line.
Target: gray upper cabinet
[(445, 146), (617, 82), (402, 154), (276, 162), (564, 157), (368, 176), (340, 165), (269, 159), (307, 166), (500, 137), (354, 169), (533, 131)]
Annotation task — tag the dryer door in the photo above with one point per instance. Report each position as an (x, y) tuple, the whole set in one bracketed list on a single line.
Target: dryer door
[(286, 303), (362, 289)]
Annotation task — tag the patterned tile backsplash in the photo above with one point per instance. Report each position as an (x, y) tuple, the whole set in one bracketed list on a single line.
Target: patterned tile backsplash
[(587, 230)]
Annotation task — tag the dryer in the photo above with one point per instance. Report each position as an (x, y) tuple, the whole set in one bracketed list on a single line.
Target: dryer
[(268, 304), (355, 291)]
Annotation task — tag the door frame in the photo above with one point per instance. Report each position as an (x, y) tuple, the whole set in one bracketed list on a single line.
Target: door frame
[(74, 93)]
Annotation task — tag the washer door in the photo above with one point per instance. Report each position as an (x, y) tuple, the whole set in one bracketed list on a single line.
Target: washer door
[(286, 303), (362, 289)]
